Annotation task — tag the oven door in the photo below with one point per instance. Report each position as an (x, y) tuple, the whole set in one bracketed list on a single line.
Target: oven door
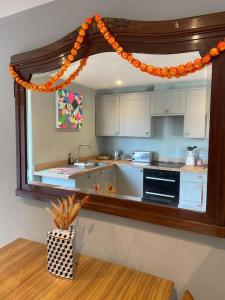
[(161, 186)]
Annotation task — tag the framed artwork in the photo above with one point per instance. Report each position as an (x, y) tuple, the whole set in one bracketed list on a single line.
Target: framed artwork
[(69, 111)]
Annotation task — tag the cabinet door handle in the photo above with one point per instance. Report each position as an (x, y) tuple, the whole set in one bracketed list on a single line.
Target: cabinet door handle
[(166, 110), (160, 179), (162, 195), (146, 132), (187, 133)]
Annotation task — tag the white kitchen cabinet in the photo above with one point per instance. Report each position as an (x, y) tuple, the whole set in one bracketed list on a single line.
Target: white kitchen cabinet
[(87, 181), (107, 115), (193, 191), (135, 115), (105, 177), (100, 177), (168, 103), (195, 113), (130, 181)]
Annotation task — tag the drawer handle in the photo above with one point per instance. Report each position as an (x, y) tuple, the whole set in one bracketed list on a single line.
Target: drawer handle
[(160, 179), (162, 195)]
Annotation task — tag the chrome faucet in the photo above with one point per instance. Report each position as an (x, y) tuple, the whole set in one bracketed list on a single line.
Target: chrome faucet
[(78, 152)]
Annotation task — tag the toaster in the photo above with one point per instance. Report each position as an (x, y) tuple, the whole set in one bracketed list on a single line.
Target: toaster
[(142, 156)]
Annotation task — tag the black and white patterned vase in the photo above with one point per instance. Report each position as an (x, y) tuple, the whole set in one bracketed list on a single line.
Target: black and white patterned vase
[(62, 254)]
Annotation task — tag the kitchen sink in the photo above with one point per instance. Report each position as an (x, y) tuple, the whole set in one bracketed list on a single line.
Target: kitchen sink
[(84, 165)]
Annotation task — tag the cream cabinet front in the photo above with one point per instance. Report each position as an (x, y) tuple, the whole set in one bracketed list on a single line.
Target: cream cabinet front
[(107, 115), (123, 115), (168, 103), (135, 115), (102, 178), (130, 181), (193, 191), (195, 114)]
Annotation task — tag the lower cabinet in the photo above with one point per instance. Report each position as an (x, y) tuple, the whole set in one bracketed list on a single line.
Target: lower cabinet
[(101, 177), (86, 181), (193, 191), (130, 181)]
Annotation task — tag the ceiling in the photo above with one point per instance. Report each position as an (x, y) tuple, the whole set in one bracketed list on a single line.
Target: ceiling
[(12, 7), (108, 70)]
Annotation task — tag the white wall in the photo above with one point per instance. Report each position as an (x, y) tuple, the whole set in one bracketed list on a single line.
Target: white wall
[(51, 144), (191, 260)]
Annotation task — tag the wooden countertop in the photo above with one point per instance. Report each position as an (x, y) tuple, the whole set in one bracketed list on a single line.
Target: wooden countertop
[(191, 169), (23, 276), (68, 172)]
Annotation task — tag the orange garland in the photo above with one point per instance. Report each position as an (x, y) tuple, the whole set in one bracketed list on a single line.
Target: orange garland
[(168, 72)]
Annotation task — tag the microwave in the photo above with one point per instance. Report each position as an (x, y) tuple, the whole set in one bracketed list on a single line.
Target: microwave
[(142, 156)]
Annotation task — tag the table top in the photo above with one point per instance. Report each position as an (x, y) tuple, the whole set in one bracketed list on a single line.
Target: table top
[(24, 275)]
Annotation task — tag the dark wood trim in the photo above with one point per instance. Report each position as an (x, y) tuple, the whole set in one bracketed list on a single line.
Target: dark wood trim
[(164, 37)]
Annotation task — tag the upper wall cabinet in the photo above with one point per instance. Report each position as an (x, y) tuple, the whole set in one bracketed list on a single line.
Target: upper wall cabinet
[(166, 103), (135, 115), (195, 113), (107, 115)]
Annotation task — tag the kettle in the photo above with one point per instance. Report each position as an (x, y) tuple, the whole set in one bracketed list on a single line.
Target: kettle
[(190, 158)]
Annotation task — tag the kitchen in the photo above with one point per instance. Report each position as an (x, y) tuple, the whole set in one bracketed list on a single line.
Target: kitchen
[(146, 139)]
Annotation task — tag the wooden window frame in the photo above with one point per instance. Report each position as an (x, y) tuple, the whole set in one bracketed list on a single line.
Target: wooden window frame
[(163, 37)]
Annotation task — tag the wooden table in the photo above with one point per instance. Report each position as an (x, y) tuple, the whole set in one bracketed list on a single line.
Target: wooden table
[(23, 275)]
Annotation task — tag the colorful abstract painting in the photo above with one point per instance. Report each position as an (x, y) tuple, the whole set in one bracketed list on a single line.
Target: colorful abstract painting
[(69, 113)]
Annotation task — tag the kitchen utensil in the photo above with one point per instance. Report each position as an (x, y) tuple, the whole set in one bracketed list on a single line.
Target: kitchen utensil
[(190, 158)]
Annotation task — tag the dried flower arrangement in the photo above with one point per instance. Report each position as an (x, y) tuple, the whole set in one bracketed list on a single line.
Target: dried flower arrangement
[(65, 213)]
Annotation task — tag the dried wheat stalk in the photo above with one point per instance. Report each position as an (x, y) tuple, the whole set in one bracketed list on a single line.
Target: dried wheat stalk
[(65, 213)]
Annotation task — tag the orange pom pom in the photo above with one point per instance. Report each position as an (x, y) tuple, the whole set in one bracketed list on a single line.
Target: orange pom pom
[(77, 45), (82, 32), (119, 50), (164, 72), (67, 63), (129, 57), (70, 57), (173, 71), (97, 18), (198, 64), (89, 20), (115, 45), (124, 54), (149, 69), (80, 39), (111, 40), (221, 46), (213, 52), (85, 26), (136, 63), (107, 35), (189, 66), (206, 59), (181, 68), (157, 71), (103, 29), (143, 67), (73, 52)]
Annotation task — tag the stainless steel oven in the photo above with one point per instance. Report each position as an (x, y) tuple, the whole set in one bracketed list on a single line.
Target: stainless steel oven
[(161, 186)]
